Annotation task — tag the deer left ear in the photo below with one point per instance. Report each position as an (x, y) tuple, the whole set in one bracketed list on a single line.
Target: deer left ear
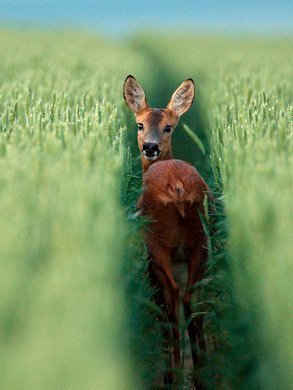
[(182, 98), (134, 95)]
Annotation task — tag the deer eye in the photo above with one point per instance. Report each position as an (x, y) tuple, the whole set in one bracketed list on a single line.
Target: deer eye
[(168, 129), (140, 126)]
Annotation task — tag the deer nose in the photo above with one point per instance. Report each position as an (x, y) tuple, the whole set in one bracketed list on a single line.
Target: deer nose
[(150, 149)]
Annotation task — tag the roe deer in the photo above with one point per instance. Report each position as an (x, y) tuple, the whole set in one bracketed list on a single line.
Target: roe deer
[(173, 196)]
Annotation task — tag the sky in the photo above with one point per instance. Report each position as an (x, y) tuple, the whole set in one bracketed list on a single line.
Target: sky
[(118, 17)]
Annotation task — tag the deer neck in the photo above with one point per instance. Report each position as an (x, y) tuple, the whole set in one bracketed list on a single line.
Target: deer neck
[(147, 163)]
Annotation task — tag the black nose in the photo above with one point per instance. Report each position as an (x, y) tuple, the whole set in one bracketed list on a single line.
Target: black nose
[(150, 148)]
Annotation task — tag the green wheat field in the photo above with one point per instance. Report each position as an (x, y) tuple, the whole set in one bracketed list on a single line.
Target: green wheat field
[(76, 308)]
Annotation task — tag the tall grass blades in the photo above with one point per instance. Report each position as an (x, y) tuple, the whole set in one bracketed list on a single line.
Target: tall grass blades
[(75, 308), (243, 106), (253, 153), (64, 318)]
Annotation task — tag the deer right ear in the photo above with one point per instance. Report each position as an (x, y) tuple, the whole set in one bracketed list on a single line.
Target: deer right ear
[(134, 95), (182, 98)]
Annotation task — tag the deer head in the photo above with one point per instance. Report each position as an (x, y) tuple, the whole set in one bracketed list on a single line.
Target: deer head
[(156, 125)]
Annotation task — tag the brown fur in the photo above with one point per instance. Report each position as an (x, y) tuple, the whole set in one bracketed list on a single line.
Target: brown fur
[(173, 195), (164, 140), (156, 120)]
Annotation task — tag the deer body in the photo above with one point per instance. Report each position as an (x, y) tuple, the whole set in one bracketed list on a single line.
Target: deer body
[(172, 197)]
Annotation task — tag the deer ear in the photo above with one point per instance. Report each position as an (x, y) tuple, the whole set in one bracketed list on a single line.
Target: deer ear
[(182, 98), (134, 95)]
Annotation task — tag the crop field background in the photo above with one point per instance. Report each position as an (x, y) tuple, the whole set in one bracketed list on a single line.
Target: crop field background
[(64, 164), (76, 309)]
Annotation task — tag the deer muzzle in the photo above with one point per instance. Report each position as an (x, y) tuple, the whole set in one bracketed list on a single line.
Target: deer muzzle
[(150, 150)]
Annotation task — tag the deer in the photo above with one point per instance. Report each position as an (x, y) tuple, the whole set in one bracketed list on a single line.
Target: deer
[(173, 194)]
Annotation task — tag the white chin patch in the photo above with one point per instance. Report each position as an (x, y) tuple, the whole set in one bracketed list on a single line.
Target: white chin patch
[(153, 158)]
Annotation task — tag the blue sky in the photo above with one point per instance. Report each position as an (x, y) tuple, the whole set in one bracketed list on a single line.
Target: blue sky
[(116, 17)]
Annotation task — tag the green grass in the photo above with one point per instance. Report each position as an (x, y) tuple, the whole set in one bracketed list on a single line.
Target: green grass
[(252, 153), (64, 311), (244, 93), (76, 308)]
